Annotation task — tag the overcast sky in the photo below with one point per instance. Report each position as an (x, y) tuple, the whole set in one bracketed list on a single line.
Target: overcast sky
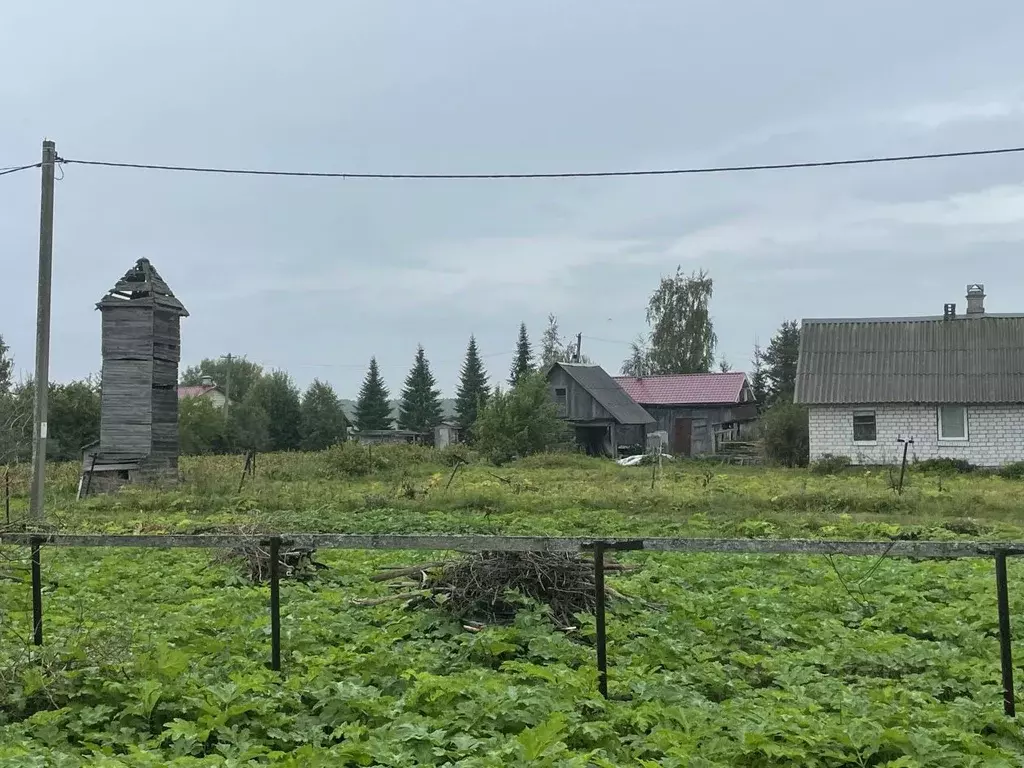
[(316, 275)]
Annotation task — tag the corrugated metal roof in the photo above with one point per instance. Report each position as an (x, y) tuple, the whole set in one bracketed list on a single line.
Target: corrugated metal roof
[(685, 388), (912, 360), (607, 392), (194, 390)]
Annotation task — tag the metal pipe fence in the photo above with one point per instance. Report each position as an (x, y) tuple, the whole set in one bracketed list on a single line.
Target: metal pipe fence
[(921, 550)]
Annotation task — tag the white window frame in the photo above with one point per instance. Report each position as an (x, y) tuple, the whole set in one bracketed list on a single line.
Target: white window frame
[(966, 424), (864, 412)]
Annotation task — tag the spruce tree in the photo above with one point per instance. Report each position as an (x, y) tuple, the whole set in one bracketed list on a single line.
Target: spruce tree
[(373, 408), (420, 407), (758, 376), (323, 421), (780, 362), (523, 364), (473, 390)]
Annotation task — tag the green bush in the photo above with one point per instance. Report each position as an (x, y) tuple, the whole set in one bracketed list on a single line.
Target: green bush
[(201, 427), (403, 455), (946, 466), (352, 459), (785, 435), (457, 453), (520, 422), (1013, 471), (830, 464), (355, 459)]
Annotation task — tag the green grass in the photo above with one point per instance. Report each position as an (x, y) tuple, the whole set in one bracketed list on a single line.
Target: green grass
[(158, 657), (558, 494)]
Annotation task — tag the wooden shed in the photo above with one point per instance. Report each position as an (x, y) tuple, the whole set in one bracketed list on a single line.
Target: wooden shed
[(141, 347), (605, 419), (698, 411)]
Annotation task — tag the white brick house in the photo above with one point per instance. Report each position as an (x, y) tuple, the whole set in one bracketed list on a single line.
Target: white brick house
[(954, 385)]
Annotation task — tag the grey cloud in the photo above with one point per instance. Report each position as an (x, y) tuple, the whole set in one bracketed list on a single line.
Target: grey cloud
[(314, 276)]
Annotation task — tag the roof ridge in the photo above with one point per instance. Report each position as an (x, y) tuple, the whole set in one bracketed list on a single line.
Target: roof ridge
[(667, 375), (605, 395), (915, 318)]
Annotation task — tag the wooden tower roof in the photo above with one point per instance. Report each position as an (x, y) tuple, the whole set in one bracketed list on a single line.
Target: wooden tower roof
[(143, 286)]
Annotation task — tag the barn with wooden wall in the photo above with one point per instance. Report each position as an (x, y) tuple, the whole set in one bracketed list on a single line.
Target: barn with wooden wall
[(697, 411), (604, 418), (141, 347)]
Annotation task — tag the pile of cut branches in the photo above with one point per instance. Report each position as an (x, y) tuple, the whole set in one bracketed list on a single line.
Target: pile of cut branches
[(253, 555), (490, 587)]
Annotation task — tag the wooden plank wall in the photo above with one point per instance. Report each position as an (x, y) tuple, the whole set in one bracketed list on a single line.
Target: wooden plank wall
[(580, 404), (126, 406), (167, 336), (165, 421), (127, 333), (141, 350)]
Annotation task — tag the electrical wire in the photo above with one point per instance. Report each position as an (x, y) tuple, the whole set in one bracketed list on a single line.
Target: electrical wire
[(395, 366), (16, 168), (556, 175), (610, 341)]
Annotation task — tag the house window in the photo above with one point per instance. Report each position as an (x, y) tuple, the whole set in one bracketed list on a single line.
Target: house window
[(952, 422), (864, 429), (560, 400)]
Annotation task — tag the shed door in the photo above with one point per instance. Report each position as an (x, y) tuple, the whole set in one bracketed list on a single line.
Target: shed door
[(682, 437)]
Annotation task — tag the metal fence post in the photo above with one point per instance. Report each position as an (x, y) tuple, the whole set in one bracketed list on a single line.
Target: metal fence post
[(37, 593), (602, 639), (275, 604), (1005, 649)]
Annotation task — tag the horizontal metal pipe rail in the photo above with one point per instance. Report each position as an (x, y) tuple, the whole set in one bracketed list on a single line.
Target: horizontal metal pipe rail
[(923, 550), (930, 550)]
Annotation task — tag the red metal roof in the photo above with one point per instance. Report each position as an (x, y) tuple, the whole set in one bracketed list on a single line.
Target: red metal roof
[(195, 390), (685, 389)]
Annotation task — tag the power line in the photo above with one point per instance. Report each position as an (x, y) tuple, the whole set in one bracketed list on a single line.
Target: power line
[(611, 341), (16, 168), (556, 175), (395, 366)]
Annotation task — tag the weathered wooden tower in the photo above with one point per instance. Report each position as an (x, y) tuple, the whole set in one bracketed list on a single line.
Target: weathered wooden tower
[(138, 387)]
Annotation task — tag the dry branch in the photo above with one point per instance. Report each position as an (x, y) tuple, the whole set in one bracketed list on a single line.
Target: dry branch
[(389, 598), (412, 570), (490, 586), (253, 553)]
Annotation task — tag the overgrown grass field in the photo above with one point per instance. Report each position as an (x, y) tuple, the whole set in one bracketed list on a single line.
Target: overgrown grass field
[(157, 658)]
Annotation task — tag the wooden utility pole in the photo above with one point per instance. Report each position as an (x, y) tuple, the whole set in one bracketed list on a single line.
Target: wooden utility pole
[(579, 348), (42, 379), (227, 387)]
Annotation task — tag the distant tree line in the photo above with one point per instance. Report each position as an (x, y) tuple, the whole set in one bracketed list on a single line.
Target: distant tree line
[(73, 417), (502, 424), (265, 411), (420, 406)]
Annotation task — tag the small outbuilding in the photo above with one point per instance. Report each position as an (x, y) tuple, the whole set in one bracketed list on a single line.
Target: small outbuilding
[(698, 411), (141, 348), (605, 420), (447, 433), (388, 436)]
